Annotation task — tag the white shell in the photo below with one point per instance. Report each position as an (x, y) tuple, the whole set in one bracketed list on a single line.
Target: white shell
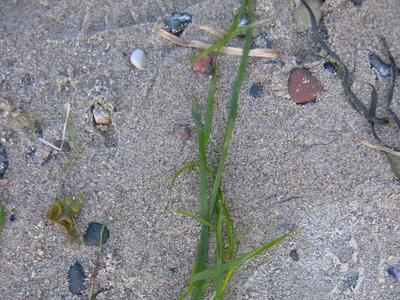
[(138, 58)]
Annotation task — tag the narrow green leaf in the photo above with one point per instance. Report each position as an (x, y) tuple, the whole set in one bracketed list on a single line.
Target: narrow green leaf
[(212, 272), (189, 166), (232, 111), (198, 219), (230, 34), (210, 103)]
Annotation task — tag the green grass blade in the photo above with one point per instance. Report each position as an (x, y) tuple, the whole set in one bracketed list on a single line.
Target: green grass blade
[(189, 166), (219, 278), (2, 217), (202, 253), (198, 219), (232, 111), (230, 34), (230, 237), (212, 272)]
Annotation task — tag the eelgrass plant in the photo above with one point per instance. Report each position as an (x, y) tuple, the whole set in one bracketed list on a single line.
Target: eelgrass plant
[(214, 213)]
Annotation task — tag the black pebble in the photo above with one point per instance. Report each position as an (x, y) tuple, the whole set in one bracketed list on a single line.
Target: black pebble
[(294, 255), (256, 90), (31, 153), (93, 232), (173, 270), (177, 22), (3, 160), (12, 218), (357, 2), (352, 281), (76, 278), (394, 272), (330, 67)]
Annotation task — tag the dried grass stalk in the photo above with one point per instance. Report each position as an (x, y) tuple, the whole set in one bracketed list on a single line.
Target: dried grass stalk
[(259, 52)]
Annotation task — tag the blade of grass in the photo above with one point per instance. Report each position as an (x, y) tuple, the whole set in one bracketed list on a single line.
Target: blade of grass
[(234, 264), (202, 253), (230, 34), (198, 219), (230, 237), (189, 166), (219, 278), (232, 111)]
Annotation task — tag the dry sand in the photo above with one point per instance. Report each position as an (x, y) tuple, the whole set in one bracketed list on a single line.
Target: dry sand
[(289, 165)]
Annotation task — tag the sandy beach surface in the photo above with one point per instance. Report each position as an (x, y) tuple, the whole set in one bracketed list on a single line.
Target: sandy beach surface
[(289, 165)]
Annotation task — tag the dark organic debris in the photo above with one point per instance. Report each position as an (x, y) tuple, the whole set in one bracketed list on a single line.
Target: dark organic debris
[(12, 218), (64, 146), (294, 255), (203, 65), (47, 159), (94, 233), (357, 2), (394, 273), (378, 64), (3, 160), (330, 67), (303, 86), (76, 279), (352, 281), (182, 131), (256, 90), (2, 217), (177, 22)]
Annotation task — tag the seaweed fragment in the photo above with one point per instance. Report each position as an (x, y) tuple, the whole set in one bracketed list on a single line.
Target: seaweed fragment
[(2, 217), (64, 211), (343, 71)]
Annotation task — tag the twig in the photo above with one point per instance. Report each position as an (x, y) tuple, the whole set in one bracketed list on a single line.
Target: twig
[(67, 108), (259, 52), (374, 146), (215, 31)]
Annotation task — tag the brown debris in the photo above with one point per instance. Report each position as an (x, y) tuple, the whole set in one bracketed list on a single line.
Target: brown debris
[(203, 65)]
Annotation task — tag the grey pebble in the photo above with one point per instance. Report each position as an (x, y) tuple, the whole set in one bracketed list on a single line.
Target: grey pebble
[(357, 2), (177, 22), (352, 281), (76, 279), (93, 233), (294, 255), (182, 131)]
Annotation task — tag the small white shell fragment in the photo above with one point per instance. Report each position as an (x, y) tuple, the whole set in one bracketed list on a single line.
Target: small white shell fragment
[(138, 58)]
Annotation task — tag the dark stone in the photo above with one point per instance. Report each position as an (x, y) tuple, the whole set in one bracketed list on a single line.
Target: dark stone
[(47, 159), (12, 218), (173, 270), (352, 281), (3, 160), (294, 255), (177, 22), (76, 279), (357, 2), (256, 90), (394, 272), (93, 233), (330, 67), (243, 21)]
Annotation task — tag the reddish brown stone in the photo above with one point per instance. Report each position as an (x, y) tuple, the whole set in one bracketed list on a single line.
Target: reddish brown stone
[(303, 86), (65, 146), (203, 65)]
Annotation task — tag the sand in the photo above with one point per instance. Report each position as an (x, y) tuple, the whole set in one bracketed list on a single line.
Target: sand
[(288, 165)]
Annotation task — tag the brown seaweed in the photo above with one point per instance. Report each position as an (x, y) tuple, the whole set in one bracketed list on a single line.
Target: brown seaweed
[(64, 212)]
